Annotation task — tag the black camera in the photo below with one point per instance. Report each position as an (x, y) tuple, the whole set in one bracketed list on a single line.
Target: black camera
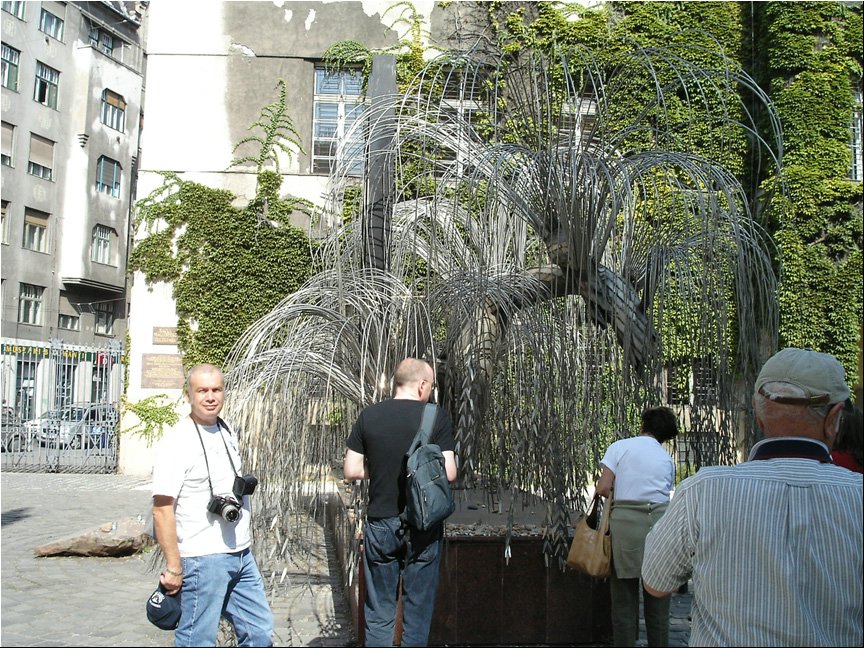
[(227, 508), (244, 485)]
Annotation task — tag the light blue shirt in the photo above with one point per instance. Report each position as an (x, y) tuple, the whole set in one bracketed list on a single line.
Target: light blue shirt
[(774, 550)]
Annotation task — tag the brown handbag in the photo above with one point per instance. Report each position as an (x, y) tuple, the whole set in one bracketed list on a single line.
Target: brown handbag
[(591, 549)]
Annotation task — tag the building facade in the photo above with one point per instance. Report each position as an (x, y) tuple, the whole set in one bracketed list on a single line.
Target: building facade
[(72, 94)]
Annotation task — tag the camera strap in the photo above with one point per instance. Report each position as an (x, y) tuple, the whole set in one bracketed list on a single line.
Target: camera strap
[(219, 426)]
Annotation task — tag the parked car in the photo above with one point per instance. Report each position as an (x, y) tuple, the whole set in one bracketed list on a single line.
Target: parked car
[(44, 427), (15, 437), (88, 425)]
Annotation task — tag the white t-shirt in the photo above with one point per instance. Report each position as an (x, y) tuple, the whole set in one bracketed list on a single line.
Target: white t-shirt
[(181, 472), (643, 469)]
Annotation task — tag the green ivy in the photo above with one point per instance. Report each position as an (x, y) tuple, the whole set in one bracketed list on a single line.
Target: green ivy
[(228, 265), (812, 58), (153, 415)]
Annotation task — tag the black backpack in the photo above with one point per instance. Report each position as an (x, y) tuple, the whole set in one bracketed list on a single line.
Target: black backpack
[(428, 499)]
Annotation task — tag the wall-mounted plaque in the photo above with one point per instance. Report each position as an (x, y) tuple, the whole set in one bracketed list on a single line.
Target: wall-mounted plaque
[(164, 335), (161, 371)]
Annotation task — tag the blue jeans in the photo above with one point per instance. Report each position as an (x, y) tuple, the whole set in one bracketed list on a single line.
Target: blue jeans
[(229, 585), (388, 551)]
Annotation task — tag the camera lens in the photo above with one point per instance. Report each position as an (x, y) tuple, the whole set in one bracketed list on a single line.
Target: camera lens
[(231, 513)]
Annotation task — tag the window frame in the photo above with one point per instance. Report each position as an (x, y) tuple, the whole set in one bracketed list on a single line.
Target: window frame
[(101, 244), (38, 169), (114, 188), (347, 112), (34, 235), (9, 65), (57, 25), (114, 110), (46, 88), (16, 8), (4, 222), (856, 139), (31, 315), (7, 157), (72, 319), (103, 318), (104, 41)]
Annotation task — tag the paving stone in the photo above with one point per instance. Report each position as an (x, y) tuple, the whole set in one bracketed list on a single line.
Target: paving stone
[(78, 601)]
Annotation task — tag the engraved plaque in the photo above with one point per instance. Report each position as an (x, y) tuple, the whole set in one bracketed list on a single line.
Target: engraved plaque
[(164, 335), (161, 371)]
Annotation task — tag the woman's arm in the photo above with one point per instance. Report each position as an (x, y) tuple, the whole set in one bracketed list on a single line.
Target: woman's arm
[(604, 484)]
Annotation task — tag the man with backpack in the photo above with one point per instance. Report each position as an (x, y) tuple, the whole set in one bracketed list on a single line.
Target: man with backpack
[(377, 447)]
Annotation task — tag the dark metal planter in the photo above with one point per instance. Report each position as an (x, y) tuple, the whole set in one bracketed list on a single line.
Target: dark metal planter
[(484, 600)]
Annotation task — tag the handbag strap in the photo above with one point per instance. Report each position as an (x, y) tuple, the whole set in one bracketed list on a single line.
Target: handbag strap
[(607, 513)]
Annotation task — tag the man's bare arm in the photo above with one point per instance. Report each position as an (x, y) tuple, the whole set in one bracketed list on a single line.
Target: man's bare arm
[(354, 466), (165, 528)]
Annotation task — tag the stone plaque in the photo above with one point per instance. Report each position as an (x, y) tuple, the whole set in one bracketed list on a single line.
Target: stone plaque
[(164, 335), (161, 371)]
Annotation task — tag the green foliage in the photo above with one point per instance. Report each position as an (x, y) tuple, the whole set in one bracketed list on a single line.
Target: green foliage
[(228, 265), (409, 51), (809, 56), (153, 415), (279, 133), (813, 54)]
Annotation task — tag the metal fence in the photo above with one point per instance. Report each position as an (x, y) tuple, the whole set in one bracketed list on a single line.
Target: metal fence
[(60, 406)]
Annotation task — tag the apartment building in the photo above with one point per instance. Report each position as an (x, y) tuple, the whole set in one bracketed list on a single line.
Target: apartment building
[(72, 94)]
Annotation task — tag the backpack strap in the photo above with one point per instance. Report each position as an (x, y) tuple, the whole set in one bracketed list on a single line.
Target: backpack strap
[(425, 429)]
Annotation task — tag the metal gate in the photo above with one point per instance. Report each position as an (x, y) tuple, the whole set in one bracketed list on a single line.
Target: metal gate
[(60, 406)]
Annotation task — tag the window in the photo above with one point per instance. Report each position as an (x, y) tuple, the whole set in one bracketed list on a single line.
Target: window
[(678, 383), (337, 107), (69, 322), (104, 318), (462, 97), (5, 224), (857, 172), (47, 80), (100, 251), (30, 304), (10, 67), (8, 144), (14, 8), (51, 25), (35, 230), (41, 160), (113, 110), (108, 176), (102, 40), (704, 381)]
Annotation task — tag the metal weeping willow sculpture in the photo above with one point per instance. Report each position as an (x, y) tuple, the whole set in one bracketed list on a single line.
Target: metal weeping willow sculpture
[(556, 260)]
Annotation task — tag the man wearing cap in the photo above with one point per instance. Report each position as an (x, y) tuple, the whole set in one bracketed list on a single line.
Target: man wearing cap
[(773, 545), (207, 552)]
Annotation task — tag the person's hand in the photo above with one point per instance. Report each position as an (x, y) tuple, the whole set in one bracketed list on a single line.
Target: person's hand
[(171, 581)]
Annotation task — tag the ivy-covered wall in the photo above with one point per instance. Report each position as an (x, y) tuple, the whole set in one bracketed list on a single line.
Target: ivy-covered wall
[(811, 57), (229, 265), (808, 57)]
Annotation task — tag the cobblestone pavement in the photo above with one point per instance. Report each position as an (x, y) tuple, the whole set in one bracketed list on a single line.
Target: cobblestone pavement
[(76, 601)]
